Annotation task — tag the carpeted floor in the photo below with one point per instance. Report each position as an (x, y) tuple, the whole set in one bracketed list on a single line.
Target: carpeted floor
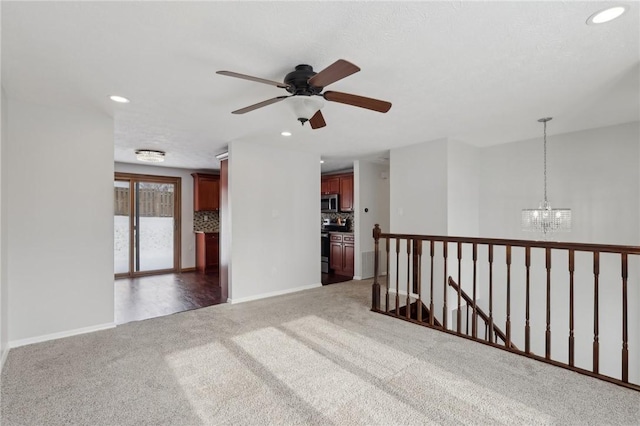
[(314, 357)]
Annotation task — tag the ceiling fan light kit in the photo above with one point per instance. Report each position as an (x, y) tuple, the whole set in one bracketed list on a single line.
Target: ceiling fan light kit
[(305, 107), (304, 84)]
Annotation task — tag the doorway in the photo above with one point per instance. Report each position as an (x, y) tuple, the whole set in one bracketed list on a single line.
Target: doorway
[(146, 225)]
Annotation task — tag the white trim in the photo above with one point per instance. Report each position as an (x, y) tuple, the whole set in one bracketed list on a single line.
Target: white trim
[(5, 353), (60, 335), (359, 278), (401, 292), (274, 293)]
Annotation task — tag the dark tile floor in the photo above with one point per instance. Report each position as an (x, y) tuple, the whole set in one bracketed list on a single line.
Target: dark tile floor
[(158, 295)]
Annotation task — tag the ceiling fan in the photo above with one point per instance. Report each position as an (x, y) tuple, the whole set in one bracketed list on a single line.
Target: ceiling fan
[(304, 84)]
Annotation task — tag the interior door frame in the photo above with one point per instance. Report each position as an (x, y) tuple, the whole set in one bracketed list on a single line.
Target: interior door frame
[(177, 221)]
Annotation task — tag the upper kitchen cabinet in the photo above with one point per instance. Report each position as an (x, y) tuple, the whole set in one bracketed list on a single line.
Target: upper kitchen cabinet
[(206, 192), (346, 193), (330, 185), (341, 184)]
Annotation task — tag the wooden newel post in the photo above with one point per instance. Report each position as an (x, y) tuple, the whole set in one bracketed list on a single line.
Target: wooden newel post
[(375, 291)]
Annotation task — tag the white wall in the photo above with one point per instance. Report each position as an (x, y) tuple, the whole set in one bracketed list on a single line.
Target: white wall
[(371, 189), (188, 237), (418, 188), (59, 195), (275, 215), (4, 286), (462, 189)]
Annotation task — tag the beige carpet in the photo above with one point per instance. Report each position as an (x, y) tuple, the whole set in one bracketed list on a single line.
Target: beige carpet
[(314, 357)]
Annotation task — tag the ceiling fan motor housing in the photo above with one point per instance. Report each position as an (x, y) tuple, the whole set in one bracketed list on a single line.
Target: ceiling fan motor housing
[(297, 81)]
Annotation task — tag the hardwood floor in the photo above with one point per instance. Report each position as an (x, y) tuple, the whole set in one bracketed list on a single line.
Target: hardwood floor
[(158, 295), (333, 279)]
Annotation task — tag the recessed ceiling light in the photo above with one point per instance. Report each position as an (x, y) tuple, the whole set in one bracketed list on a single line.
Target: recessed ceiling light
[(607, 15), (321, 161), (121, 99), (286, 133)]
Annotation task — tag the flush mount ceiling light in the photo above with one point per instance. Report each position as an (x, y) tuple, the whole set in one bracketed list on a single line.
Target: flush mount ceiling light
[(150, 155), (286, 133), (544, 219), (120, 99), (223, 156), (606, 15), (321, 161)]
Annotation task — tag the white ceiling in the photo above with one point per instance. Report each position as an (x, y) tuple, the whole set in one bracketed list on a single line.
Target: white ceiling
[(481, 72)]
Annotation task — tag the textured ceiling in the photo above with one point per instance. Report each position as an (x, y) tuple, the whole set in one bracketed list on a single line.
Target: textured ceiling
[(481, 72)]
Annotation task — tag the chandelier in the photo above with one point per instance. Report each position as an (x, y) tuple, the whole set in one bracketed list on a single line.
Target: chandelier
[(545, 219)]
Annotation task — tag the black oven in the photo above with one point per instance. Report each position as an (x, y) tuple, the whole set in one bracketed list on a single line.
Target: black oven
[(324, 252)]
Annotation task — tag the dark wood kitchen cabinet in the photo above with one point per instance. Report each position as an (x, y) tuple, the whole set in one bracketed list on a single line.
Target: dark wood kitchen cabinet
[(342, 252), (330, 185), (207, 251), (346, 193), (206, 192), (341, 184)]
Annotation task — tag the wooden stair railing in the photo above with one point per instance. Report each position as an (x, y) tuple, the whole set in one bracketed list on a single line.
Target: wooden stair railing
[(404, 256), (488, 322)]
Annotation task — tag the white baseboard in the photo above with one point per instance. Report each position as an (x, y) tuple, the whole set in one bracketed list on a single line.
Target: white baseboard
[(274, 293), (60, 335), (360, 278), (3, 358), (400, 292)]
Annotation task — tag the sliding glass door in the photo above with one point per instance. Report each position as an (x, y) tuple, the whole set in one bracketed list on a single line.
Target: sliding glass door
[(146, 224)]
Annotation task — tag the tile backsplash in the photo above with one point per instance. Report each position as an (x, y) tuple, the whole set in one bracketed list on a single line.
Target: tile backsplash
[(206, 221), (334, 216), (212, 222)]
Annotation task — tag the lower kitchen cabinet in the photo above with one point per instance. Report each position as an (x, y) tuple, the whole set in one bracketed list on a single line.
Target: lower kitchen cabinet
[(341, 254), (207, 251)]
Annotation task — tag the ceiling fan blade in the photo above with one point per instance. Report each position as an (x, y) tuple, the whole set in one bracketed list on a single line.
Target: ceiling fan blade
[(251, 78), (359, 101), (259, 105), (334, 72), (317, 121)]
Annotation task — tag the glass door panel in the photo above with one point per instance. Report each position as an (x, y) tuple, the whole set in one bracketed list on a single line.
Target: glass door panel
[(121, 226), (154, 225)]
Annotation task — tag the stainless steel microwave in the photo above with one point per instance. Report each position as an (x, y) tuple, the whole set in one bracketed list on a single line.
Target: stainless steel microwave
[(329, 203)]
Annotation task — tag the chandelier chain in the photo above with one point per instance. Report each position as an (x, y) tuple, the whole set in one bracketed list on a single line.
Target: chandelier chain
[(545, 162)]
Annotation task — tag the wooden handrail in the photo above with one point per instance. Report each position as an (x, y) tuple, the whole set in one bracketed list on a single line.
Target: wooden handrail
[(481, 313), (602, 248)]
